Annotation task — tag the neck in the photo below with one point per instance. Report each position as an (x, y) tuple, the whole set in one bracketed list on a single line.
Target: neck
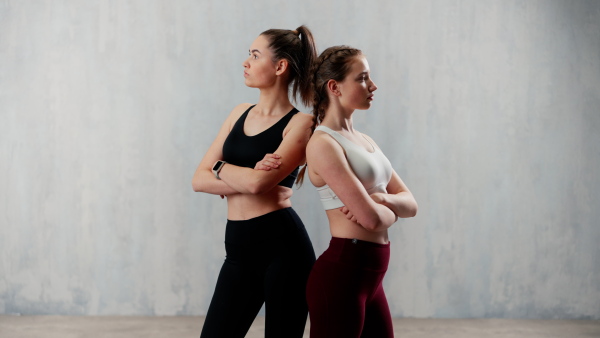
[(273, 101), (338, 118)]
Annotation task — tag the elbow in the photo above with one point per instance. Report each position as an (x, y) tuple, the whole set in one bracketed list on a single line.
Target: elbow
[(258, 186), (257, 189), (370, 227), (374, 227), (409, 209), (196, 188), (373, 224), (412, 211), (197, 185)]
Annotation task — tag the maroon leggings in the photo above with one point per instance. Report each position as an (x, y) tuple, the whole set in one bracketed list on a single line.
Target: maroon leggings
[(344, 291)]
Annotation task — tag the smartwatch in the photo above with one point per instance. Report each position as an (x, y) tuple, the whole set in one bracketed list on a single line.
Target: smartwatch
[(217, 168)]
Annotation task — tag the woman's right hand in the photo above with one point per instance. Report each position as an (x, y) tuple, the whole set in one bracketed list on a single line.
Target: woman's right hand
[(349, 214), (377, 197), (270, 161)]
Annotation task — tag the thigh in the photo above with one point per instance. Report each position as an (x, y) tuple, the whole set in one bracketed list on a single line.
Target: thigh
[(335, 300), (286, 310), (237, 299), (378, 320)]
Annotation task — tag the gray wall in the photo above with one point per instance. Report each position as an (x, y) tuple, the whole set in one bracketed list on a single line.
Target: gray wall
[(489, 110)]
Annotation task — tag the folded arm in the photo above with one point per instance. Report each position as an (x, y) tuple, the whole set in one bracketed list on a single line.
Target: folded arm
[(326, 159), (291, 154), (399, 199), (204, 180)]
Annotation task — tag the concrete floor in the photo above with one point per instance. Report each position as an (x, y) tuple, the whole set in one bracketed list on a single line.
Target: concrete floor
[(184, 327)]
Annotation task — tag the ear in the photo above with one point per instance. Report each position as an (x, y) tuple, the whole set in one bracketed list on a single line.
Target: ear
[(332, 87), (281, 66)]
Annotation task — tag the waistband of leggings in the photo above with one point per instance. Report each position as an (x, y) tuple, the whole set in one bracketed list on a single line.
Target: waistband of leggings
[(336, 241), (358, 253), (263, 218)]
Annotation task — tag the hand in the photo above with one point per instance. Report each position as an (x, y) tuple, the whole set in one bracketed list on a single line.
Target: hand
[(349, 214), (270, 161)]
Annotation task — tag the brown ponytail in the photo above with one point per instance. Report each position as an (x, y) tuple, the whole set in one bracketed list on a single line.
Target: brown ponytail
[(332, 64), (298, 48)]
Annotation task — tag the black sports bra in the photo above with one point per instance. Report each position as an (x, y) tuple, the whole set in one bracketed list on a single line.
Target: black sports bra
[(245, 151)]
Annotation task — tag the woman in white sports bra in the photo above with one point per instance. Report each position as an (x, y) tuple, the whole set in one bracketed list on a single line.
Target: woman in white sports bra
[(362, 195)]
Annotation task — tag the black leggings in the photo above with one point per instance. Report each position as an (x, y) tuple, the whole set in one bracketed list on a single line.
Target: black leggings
[(344, 292), (268, 261)]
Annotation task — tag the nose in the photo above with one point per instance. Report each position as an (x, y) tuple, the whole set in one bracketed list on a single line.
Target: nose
[(373, 86), (245, 64)]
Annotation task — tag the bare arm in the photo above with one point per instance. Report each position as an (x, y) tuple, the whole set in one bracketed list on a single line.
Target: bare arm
[(291, 153), (398, 198), (326, 159), (204, 180)]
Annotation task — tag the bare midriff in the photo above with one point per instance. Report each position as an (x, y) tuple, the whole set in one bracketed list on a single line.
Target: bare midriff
[(247, 206), (342, 227)]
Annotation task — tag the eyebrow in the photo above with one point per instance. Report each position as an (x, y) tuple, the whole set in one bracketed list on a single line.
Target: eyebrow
[(255, 50)]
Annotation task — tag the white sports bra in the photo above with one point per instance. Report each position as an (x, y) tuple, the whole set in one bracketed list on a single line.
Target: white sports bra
[(372, 169)]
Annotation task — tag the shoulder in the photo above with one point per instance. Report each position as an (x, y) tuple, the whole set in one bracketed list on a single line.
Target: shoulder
[(300, 124), (235, 113), (238, 110), (323, 144), (302, 120)]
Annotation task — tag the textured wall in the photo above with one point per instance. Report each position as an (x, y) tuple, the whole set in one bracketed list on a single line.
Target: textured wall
[(489, 110)]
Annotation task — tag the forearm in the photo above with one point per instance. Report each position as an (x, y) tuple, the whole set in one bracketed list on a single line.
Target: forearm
[(402, 204), (386, 218), (205, 181), (246, 180), (373, 217)]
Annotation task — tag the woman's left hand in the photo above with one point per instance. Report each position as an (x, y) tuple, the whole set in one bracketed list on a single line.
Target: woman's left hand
[(270, 161)]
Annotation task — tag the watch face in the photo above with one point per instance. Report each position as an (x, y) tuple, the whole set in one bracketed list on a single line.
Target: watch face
[(217, 165)]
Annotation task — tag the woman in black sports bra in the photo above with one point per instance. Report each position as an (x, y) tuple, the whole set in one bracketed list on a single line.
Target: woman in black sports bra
[(269, 254)]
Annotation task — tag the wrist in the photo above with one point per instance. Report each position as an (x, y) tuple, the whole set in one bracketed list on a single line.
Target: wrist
[(217, 167)]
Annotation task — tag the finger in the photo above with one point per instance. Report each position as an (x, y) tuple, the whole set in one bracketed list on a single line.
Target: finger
[(273, 155), (271, 163), (260, 166)]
